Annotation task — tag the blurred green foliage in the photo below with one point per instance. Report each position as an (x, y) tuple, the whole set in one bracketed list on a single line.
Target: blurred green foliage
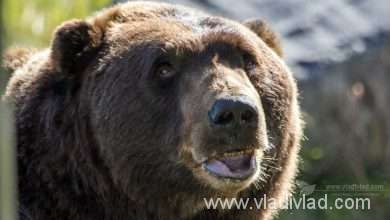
[(31, 23)]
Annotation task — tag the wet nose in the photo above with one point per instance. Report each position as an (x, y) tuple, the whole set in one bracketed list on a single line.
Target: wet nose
[(233, 112)]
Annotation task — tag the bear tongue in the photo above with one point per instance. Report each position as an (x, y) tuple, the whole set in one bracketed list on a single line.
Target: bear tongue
[(240, 167)]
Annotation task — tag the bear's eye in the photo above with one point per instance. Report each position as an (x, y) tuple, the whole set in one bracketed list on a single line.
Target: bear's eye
[(165, 71), (249, 62)]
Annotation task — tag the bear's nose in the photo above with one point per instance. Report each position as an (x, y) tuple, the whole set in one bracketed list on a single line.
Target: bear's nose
[(233, 112)]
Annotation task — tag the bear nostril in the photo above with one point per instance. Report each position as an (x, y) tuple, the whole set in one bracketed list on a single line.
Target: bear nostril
[(233, 111), (224, 118), (247, 116)]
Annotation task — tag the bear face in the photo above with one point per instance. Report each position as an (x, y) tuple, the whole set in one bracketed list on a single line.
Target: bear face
[(170, 77), (175, 104), (197, 109)]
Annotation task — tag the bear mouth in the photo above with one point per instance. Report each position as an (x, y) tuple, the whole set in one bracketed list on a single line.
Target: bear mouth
[(238, 165)]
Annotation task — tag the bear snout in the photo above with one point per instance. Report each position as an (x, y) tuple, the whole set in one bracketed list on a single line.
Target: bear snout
[(233, 123), (234, 113)]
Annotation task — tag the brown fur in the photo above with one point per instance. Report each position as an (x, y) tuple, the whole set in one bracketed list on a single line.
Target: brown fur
[(99, 137), (264, 31), (16, 57)]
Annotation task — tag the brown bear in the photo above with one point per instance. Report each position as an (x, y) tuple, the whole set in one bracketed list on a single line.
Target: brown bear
[(147, 110)]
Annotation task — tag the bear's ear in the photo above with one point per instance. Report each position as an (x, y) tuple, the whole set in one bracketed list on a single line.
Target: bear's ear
[(15, 58), (263, 30), (73, 45)]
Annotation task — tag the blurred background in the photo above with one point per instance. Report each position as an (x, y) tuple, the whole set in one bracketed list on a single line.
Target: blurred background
[(339, 51)]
